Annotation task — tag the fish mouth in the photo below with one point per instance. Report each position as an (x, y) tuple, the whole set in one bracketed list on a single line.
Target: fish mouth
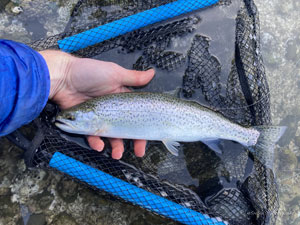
[(65, 125)]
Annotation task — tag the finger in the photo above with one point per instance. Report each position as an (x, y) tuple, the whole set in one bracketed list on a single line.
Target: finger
[(140, 147), (117, 148), (95, 143), (136, 78)]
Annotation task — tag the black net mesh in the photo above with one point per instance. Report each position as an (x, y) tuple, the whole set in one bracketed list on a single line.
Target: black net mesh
[(237, 186)]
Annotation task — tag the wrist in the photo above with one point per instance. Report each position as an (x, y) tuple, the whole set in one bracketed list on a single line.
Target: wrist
[(59, 66)]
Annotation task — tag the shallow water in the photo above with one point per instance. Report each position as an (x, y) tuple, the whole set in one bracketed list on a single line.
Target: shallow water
[(280, 40), (33, 197)]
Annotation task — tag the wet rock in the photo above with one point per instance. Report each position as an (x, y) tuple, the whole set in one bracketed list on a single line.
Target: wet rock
[(294, 213), (3, 3), (11, 162), (297, 141), (28, 185), (150, 219), (101, 199), (16, 1), (4, 191), (295, 201), (209, 166), (267, 41), (208, 172), (272, 59), (291, 121), (64, 219), (36, 219), (286, 8), (291, 50), (288, 160), (9, 211), (297, 221), (284, 197), (30, 20), (13, 7), (16, 9), (68, 190), (43, 200)]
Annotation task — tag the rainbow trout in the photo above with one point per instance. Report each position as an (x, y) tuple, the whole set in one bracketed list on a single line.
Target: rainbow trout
[(160, 117)]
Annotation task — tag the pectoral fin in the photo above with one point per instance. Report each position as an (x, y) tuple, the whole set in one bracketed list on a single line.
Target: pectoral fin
[(214, 145), (171, 146), (102, 130), (175, 93)]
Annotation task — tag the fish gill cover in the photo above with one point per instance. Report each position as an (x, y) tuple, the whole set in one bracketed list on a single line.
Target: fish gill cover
[(213, 56)]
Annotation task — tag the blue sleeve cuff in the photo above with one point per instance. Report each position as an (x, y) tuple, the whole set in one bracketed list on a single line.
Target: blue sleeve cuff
[(24, 85)]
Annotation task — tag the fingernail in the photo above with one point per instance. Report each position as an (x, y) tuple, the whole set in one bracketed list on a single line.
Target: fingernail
[(150, 69), (117, 155), (140, 155)]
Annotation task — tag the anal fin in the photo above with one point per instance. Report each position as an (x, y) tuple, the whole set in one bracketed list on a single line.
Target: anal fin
[(175, 93), (213, 144), (172, 146)]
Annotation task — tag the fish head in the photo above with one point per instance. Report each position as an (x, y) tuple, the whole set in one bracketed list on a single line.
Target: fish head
[(75, 122)]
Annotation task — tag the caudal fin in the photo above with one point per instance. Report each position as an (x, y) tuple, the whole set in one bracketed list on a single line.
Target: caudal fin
[(268, 137)]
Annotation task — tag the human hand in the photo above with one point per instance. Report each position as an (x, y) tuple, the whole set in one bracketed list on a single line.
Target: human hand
[(75, 80)]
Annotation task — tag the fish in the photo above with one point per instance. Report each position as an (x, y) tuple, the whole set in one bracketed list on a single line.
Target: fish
[(161, 117)]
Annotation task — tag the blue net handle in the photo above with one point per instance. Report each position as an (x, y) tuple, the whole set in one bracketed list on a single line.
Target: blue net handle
[(131, 23), (129, 192)]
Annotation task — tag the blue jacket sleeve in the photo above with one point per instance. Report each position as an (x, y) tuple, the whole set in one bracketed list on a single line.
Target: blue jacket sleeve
[(24, 85)]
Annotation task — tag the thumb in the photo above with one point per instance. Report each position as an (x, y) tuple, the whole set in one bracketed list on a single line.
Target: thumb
[(136, 78)]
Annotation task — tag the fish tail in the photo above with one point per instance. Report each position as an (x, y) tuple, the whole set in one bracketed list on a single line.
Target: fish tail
[(268, 137)]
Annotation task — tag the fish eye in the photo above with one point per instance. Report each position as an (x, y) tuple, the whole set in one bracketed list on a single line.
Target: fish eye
[(70, 117)]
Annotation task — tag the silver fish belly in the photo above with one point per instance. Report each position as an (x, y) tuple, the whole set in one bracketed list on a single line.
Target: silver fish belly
[(153, 116)]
